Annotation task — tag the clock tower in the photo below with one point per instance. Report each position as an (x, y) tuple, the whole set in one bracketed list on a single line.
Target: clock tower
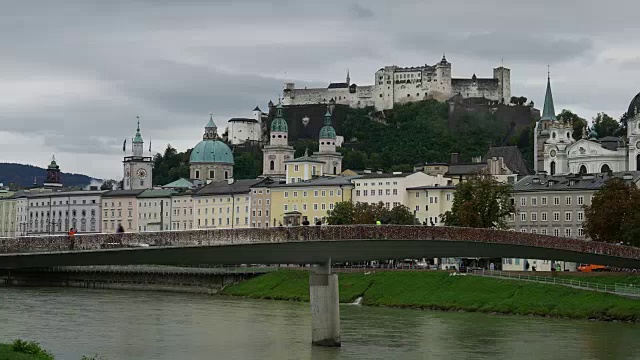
[(138, 169)]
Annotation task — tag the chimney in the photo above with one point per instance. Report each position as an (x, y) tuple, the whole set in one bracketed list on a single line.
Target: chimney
[(455, 158)]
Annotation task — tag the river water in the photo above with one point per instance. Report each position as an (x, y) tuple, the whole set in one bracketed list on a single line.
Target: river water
[(154, 325)]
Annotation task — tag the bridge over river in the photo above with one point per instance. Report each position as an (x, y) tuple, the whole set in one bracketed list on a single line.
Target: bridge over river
[(319, 245)]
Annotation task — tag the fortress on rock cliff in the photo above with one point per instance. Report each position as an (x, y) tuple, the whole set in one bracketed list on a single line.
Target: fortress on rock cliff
[(397, 85)]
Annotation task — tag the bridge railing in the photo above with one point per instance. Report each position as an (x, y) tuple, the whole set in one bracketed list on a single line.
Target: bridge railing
[(618, 288)]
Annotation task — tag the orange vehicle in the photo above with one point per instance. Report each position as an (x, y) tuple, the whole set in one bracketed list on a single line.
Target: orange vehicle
[(591, 268)]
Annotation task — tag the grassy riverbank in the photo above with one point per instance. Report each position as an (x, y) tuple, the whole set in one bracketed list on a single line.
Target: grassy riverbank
[(439, 291), (20, 352)]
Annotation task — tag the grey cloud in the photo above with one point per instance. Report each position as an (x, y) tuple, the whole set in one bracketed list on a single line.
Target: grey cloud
[(517, 47), (360, 12), (174, 62)]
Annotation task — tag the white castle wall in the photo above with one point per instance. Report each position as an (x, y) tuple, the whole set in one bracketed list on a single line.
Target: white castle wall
[(396, 85)]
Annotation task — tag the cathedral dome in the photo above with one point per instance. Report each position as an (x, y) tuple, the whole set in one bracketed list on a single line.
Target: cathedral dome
[(327, 132), (279, 124), (211, 151), (634, 106)]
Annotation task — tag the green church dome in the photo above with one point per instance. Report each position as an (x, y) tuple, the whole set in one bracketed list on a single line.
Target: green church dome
[(327, 131), (279, 123), (211, 151)]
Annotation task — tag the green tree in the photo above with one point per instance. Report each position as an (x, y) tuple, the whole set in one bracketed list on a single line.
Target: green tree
[(614, 213), (170, 166), (605, 125), (578, 123), (480, 202), (346, 212), (108, 184), (246, 166), (399, 215), (342, 213)]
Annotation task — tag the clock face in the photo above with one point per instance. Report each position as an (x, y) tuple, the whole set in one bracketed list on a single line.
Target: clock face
[(127, 173), (552, 153), (142, 173)]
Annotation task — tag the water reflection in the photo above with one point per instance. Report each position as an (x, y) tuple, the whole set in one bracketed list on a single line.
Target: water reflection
[(139, 325)]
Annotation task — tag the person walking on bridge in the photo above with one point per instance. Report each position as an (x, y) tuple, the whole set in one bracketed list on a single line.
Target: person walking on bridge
[(120, 233), (72, 238)]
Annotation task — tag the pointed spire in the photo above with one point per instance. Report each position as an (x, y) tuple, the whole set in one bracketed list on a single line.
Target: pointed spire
[(211, 123), (548, 111), (138, 137), (327, 118), (348, 78)]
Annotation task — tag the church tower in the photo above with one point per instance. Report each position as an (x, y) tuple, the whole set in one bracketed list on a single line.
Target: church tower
[(551, 139), (327, 148), (278, 151), (541, 131), (54, 179), (138, 169), (633, 133)]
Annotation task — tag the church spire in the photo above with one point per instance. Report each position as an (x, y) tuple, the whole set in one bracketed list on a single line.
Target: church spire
[(348, 78), (138, 138), (548, 111)]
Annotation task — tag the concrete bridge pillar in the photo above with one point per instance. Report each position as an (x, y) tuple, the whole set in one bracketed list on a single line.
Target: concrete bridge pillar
[(325, 309)]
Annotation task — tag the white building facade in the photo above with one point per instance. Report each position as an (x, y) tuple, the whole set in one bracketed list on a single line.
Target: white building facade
[(57, 212)]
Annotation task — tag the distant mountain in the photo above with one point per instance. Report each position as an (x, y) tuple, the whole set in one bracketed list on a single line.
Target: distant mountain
[(23, 175)]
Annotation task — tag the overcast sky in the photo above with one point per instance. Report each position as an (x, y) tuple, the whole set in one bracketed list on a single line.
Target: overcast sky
[(75, 74)]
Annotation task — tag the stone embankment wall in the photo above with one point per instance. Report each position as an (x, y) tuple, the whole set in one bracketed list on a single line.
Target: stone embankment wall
[(148, 278), (309, 233)]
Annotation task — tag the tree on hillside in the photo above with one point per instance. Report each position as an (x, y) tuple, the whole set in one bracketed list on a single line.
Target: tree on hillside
[(246, 166), (480, 202), (170, 166), (578, 122), (605, 125), (346, 213), (108, 184), (614, 213), (624, 125)]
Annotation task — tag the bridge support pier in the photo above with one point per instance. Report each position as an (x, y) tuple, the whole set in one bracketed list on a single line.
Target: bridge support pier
[(325, 309)]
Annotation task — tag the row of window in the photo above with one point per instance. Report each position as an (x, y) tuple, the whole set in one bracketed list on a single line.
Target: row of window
[(568, 215), (212, 174), (66, 213), (206, 201), (556, 231), (315, 193), (42, 226), (556, 200), (374, 184), (294, 207), (59, 202), (373, 192), (220, 222)]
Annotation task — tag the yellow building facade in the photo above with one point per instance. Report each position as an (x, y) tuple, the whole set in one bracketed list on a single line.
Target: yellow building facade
[(8, 217), (224, 204)]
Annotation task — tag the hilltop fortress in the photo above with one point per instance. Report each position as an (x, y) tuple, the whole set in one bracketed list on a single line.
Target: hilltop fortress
[(397, 85)]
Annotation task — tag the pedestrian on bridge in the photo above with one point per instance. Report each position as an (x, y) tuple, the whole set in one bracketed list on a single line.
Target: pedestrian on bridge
[(72, 238)]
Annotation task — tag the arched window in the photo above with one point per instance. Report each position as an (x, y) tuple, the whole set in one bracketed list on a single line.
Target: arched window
[(638, 162), (335, 170), (583, 170), (553, 168), (226, 174), (605, 169), (272, 165)]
